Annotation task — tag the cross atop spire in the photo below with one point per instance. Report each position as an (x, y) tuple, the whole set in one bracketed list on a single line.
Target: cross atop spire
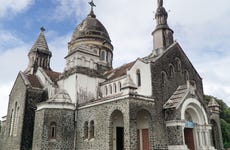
[(91, 14), (42, 29)]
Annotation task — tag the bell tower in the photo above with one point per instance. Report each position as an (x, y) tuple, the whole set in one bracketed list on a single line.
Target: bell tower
[(162, 35), (39, 55)]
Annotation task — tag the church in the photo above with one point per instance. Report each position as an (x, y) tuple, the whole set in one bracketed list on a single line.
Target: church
[(151, 103)]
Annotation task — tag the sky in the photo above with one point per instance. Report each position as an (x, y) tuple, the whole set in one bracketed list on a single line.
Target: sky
[(200, 27)]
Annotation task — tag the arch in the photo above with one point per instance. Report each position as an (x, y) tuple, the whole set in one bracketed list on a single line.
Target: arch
[(171, 71), (186, 75), (110, 89), (138, 75), (119, 86), (116, 130), (11, 122), (53, 130), (195, 107), (196, 129), (115, 87), (102, 56), (178, 64), (106, 90), (86, 129), (16, 119), (163, 78), (143, 129), (91, 129)]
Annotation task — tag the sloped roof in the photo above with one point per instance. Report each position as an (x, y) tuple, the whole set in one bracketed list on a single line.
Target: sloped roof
[(54, 76), (120, 71), (34, 81), (177, 97)]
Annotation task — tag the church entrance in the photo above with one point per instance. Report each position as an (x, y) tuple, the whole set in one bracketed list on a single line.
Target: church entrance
[(143, 130), (120, 138), (143, 139), (189, 138), (117, 130)]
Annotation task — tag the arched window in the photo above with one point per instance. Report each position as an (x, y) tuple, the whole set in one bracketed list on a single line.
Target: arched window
[(138, 74), (11, 122), (102, 55), (119, 86), (163, 78), (16, 120), (86, 128), (178, 65), (53, 130), (110, 89), (106, 90), (115, 88), (171, 71), (91, 129), (186, 75)]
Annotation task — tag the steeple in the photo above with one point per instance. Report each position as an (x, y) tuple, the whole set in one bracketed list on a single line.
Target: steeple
[(162, 35), (39, 55)]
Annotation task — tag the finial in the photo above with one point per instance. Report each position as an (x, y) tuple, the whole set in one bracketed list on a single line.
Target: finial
[(42, 29), (91, 14)]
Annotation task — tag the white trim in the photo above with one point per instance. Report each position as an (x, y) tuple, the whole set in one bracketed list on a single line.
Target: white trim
[(47, 105), (115, 99), (178, 147), (175, 123), (187, 104)]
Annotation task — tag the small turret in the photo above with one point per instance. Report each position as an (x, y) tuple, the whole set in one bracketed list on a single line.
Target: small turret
[(39, 55), (162, 35), (213, 106)]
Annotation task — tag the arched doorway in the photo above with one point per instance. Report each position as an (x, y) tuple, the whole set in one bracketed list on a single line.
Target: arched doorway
[(117, 131), (143, 130), (196, 129)]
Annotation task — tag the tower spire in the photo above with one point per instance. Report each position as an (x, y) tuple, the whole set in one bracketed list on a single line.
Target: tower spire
[(39, 55), (91, 14), (162, 35)]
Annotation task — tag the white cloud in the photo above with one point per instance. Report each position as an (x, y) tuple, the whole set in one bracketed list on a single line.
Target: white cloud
[(9, 7)]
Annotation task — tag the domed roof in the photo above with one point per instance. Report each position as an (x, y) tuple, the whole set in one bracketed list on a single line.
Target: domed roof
[(91, 27)]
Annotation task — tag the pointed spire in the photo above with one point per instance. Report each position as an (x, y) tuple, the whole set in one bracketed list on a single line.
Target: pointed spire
[(39, 55), (40, 43), (91, 14)]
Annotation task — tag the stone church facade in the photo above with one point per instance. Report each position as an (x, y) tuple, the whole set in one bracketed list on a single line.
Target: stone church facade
[(151, 103)]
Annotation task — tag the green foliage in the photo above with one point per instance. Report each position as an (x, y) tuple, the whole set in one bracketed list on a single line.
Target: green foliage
[(224, 119)]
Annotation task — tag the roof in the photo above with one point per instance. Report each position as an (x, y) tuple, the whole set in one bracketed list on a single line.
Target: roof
[(177, 97), (41, 44), (91, 27), (120, 71), (54, 76), (34, 81)]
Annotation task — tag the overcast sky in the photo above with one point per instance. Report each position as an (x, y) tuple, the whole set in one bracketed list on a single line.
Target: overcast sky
[(201, 28)]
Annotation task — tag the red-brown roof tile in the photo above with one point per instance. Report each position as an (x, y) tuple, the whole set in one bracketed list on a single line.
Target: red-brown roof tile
[(120, 71), (53, 75), (34, 81)]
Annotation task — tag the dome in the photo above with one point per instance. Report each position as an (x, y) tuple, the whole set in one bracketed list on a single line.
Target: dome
[(91, 27)]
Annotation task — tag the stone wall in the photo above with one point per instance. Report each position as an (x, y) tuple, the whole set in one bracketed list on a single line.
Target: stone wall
[(26, 100), (64, 120), (17, 95), (103, 123)]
